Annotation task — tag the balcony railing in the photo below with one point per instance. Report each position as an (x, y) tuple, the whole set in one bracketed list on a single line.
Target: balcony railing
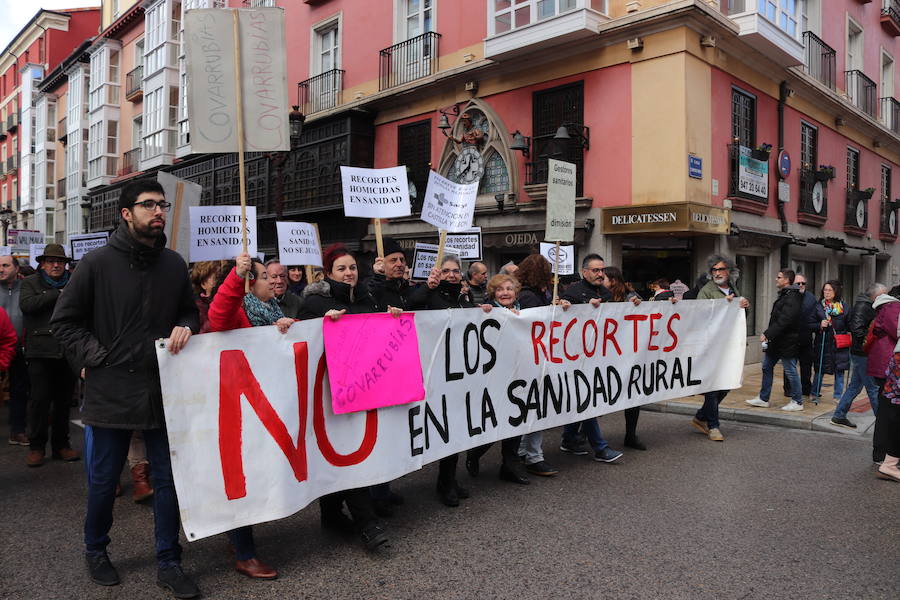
[(61, 188), (12, 121), (857, 215), (890, 16), (888, 229), (820, 59), (862, 92), (813, 208), (890, 114), (130, 161), (321, 92), (12, 163), (749, 181), (61, 131), (407, 61), (134, 82)]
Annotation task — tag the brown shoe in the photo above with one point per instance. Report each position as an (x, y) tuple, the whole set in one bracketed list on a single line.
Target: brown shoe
[(255, 569), (141, 490), (67, 454), (35, 458)]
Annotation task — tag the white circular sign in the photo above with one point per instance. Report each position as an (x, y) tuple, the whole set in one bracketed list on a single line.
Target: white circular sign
[(818, 198), (563, 254), (861, 214), (892, 222)]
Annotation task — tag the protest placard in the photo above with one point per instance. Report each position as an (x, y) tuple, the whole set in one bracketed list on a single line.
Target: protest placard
[(375, 193), (298, 244), (182, 194), (425, 257), (35, 250), (212, 79), (449, 206), (5, 251), (20, 240), (82, 243), (561, 185), (468, 243), (373, 361), (566, 257), (216, 232)]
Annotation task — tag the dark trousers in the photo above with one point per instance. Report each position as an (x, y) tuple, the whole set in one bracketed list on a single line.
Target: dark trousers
[(18, 393), (52, 384), (447, 470), (242, 540), (631, 419), (887, 427), (709, 412), (806, 358), (108, 452), (359, 504), (509, 449)]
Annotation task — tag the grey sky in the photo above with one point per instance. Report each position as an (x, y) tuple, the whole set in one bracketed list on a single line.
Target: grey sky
[(17, 13)]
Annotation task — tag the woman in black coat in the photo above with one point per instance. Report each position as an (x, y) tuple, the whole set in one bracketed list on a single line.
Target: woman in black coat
[(828, 358)]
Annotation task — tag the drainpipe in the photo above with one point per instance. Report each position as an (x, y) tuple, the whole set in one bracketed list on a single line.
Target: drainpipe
[(783, 91)]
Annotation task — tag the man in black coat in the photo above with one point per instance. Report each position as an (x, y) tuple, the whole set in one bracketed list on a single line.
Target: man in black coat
[(51, 376), (805, 353), (781, 341), (388, 285), (121, 299)]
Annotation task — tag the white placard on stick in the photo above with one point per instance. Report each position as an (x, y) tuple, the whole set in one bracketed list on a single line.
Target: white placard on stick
[(449, 206), (566, 257), (21, 239), (375, 193), (35, 250), (561, 185), (82, 243), (216, 232), (212, 105), (425, 256), (468, 242), (298, 244)]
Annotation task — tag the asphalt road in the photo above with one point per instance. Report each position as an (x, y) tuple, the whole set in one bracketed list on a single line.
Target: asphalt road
[(770, 513)]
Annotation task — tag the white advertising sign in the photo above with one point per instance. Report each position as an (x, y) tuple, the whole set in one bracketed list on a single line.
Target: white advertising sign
[(216, 232), (298, 244), (753, 175), (566, 257), (425, 256), (375, 193), (561, 185), (82, 243), (449, 206), (468, 242)]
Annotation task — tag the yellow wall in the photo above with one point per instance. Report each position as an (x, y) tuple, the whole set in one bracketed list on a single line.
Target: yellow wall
[(108, 18)]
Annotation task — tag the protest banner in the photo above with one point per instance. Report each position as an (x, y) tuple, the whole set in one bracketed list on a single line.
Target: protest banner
[(216, 232), (20, 240), (425, 258), (468, 243), (561, 258), (253, 437), (5, 251), (373, 362), (182, 194), (82, 243), (298, 244), (221, 50)]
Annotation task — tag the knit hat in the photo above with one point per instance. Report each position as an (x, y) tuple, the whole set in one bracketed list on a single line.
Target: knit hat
[(391, 246)]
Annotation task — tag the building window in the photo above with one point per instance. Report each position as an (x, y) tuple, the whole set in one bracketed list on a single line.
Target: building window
[(414, 151), (885, 184), (808, 146), (507, 15), (743, 118), (854, 46), (496, 175), (852, 169), (327, 54), (416, 17), (550, 109)]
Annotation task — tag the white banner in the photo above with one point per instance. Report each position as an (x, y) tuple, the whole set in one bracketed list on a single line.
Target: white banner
[(212, 103), (298, 244), (425, 256), (561, 185), (468, 243), (375, 193), (449, 206), (82, 243), (253, 436), (566, 257), (216, 232)]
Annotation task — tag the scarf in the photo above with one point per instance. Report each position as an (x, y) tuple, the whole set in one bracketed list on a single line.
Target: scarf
[(515, 306), (55, 283), (261, 313), (833, 309)]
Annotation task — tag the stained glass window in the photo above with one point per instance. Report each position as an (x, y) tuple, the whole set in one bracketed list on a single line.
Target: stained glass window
[(496, 176)]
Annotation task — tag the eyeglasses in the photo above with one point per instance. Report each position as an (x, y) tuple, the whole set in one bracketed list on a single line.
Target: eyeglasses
[(719, 269), (449, 271), (152, 204), (801, 283)]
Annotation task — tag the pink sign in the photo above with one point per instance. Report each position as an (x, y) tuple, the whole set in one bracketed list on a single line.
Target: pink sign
[(373, 361)]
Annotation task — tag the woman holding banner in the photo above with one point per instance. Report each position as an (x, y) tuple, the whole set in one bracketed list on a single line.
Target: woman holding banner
[(336, 295), (230, 309)]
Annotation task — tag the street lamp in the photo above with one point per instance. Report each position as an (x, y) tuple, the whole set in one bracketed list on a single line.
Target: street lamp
[(296, 119)]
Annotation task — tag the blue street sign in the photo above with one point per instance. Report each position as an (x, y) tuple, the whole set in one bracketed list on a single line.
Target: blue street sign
[(695, 166), (784, 164)]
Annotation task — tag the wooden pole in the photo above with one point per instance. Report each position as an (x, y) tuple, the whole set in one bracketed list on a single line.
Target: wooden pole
[(179, 196), (379, 244), (239, 100), (556, 275), (441, 243), (309, 268)]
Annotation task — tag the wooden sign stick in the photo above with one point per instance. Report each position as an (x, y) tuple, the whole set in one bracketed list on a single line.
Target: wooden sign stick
[(441, 243), (556, 275), (309, 268), (238, 97), (179, 196), (379, 244)]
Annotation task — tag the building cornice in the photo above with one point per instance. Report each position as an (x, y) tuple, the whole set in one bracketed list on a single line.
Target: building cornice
[(41, 21)]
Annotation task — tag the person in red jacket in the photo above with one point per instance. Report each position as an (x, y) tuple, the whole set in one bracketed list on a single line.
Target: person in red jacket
[(232, 308), (8, 341)]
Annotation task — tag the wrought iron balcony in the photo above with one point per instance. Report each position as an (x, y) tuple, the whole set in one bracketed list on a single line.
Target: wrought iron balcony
[(134, 83), (409, 60), (12, 164), (890, 114), (61, 188), (857, 214), (813, 208), (321, 92), (820, 59), (888, 230), (130, 161), (862, 92), (12, 121), (890, 16), (749, 179)]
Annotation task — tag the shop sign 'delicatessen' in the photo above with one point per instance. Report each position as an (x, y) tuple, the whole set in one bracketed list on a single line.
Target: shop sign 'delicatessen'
[(681, 217)]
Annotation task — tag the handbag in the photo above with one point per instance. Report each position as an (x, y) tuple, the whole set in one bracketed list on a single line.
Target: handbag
[(842, 340)]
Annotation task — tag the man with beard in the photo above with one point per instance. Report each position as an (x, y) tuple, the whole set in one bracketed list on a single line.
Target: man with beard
[(290, 303), (121, 299), (719, 286)]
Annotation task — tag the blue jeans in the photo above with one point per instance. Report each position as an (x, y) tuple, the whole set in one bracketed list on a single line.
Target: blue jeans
[(242, 540), (709, 412), (591, 428), (858, 381), (790, 371), (108, 452)]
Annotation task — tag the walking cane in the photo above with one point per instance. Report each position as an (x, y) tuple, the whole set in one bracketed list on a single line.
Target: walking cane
[(819, 374)]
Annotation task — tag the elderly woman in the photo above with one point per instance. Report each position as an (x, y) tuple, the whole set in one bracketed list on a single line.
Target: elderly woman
[(336, 295), (232, 308), (204, 277), (827, 357)]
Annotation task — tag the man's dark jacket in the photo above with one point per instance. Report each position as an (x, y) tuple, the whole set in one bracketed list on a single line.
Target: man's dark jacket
[(786, 324), (581, 292), (37, 299), (861, 316), (389, 292), (121, 299), (291, 304)]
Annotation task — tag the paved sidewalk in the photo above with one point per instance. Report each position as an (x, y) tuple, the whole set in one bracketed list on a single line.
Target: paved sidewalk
[(814, 416)]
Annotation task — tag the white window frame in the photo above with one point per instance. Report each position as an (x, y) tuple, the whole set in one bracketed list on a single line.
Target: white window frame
[(887, 91), (533, 17), (853, 24), (315, 40), (400, 18)]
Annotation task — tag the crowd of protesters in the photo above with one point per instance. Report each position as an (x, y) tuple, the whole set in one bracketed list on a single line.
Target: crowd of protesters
[(93, 329)]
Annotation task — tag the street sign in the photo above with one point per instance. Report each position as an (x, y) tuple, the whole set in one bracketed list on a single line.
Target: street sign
[(695, 166)]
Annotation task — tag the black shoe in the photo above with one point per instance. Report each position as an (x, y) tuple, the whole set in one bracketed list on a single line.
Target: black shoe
[(101, 570), (338, 523), (542, 468), (576, 447), (634, 443), (373, 536), (472, 465), (448, 495), (514, 473), (843, 421), (176, 581), (395, 499), (462, 492)]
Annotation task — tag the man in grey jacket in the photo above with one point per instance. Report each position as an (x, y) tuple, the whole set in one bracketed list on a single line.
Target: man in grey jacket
[(10, 286)]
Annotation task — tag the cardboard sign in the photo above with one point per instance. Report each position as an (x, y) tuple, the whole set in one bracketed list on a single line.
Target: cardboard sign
[(468, 243), (178, 221), (82, 243), (216, 232), (298, 244), (212, 103), (375, 193), (449, 206), (566, 257), (425, 256), (373, 361), (561, 185)]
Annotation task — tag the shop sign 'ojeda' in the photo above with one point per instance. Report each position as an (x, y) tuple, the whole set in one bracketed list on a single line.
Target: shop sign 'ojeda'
[(678, 217)]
